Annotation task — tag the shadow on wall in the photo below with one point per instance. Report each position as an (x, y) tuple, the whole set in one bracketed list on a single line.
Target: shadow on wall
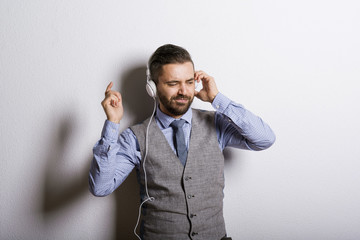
[(59, 191), (138, 105)]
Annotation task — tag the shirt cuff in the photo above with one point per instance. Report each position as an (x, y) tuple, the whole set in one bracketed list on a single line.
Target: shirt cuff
[(110, 130), (221, 102)]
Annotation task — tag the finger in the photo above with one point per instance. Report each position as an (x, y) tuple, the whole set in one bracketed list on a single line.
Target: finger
[(199, 95), (110, 99), (113, 95), (114, 98), (114, 102), (118, 95), (202, 75), (196, 79), (108, 88), (197, 74)]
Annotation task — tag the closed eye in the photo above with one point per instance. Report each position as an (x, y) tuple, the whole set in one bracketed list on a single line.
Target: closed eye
[(172, 83), (175, 83), (190, 81)]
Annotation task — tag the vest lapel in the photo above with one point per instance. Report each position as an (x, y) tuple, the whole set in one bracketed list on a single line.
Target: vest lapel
[(155, 131)]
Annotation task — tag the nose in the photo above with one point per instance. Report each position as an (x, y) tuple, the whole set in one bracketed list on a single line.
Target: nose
[(183, 89)]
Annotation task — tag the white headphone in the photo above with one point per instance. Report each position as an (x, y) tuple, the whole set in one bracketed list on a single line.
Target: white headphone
[(150, 84)]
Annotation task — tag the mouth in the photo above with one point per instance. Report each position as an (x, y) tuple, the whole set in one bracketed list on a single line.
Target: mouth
[(181, 100)]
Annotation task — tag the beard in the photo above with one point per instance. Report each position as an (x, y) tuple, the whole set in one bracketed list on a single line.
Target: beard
[(173, 107)]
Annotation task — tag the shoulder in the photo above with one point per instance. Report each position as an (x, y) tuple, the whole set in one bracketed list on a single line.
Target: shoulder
[(201, 116), (140, 125), (200, 113), (139, 130)]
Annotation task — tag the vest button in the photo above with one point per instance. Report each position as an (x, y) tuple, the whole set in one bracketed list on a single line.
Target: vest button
[(190, 196), (194, 233), (192, 215), (187, 178)]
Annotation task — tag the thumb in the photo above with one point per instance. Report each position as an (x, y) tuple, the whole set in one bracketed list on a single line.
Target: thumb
[(199, 95)]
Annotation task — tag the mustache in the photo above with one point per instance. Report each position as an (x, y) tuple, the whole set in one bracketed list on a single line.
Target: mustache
[(181, 97)]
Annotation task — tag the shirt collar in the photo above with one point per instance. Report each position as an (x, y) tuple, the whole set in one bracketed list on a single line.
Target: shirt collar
[(165, 120)]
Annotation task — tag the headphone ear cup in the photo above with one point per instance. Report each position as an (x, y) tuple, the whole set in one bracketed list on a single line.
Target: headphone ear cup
[(151, 88)]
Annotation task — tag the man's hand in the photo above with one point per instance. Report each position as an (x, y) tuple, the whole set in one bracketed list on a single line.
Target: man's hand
[(209, 90), (112, 105)]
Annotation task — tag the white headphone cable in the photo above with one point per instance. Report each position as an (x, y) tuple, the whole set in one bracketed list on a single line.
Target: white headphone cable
[(145, 176)]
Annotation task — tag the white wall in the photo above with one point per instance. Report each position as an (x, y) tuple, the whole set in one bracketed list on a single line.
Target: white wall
[(294, 63)]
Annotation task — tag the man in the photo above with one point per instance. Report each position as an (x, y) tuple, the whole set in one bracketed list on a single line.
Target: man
[(182, 182)]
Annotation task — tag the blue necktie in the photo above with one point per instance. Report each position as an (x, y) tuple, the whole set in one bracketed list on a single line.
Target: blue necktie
[(179, 140)]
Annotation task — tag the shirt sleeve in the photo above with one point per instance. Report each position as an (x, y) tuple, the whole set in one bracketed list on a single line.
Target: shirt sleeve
[(237, 127), (114, 157)]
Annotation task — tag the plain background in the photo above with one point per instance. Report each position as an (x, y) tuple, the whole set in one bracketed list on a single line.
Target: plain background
[(294, 63)]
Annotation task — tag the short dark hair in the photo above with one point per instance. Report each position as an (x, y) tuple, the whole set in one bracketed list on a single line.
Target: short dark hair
[(167, 54)]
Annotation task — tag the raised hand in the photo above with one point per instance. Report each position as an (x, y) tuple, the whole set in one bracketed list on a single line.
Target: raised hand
[(209, 90), (112, 104)]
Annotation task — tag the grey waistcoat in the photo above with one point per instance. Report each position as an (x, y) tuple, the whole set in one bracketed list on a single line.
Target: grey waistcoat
[(188, 200)]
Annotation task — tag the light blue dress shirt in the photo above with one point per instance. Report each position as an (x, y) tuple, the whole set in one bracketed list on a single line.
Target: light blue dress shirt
[(116, 155)]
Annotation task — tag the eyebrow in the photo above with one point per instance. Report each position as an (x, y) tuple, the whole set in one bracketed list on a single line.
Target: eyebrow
[(190, 79)]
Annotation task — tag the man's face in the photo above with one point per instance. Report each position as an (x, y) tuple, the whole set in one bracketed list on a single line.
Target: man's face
[(176, 88)]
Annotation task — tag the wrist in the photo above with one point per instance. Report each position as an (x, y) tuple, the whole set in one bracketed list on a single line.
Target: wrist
[(110, 131), (221, 102), (213, 96), (114, 120)]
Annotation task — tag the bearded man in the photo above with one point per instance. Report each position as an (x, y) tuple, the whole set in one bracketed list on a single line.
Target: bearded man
[(181, 185)]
